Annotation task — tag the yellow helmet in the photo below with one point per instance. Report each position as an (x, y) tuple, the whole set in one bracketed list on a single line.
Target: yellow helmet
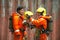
[(29, 13), (41, 9)]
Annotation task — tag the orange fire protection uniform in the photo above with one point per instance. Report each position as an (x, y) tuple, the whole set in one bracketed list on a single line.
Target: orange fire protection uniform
[(41, 21), (17, 25)]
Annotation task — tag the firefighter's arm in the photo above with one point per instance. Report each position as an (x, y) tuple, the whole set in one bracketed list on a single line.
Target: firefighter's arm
[(15, 25), (35, 22), (44, 23), (39, 22), (47, 17)]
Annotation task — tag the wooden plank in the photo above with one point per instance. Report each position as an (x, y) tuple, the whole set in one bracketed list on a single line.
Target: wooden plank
[(56, 33), (0, 18), (30, 4)]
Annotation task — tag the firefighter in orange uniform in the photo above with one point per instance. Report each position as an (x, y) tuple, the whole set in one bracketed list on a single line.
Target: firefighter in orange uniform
[(19, 28), (41, 22)]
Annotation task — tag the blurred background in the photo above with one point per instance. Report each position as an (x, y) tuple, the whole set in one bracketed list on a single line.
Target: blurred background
[(9, 6)]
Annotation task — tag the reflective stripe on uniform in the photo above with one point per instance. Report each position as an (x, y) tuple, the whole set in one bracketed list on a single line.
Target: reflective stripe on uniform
[(17, 30), (24, 21)]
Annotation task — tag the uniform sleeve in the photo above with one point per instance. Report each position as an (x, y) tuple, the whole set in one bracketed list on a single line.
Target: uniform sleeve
[(15, 24), (46, 17), (36, 22), (44, 23), (39, 22)]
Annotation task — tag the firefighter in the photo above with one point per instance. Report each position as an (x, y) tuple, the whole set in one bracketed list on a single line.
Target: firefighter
[(18, 27), (41, 22), (29, 36), (27, 15)]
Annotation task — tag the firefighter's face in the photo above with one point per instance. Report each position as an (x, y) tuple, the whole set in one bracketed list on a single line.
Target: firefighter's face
[(21, 11), (39, 14)]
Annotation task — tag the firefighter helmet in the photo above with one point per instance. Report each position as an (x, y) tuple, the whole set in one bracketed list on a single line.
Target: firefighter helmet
[(28, 13), (42, 10)]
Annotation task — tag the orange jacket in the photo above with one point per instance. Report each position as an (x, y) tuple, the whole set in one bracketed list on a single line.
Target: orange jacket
[(41, 21), (17, 23), (46, 17)]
